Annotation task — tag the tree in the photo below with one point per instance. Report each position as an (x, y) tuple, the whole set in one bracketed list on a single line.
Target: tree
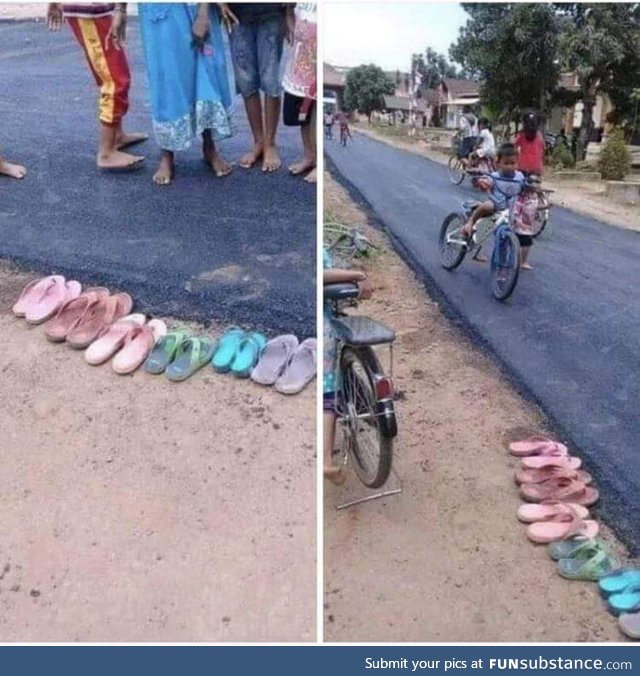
[(513, 49), (433, 67), (365, 89), (600, 43)]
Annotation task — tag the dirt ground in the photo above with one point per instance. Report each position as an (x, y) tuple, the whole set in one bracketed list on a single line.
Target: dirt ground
[(135, 509), (583, 197), (446, 560)]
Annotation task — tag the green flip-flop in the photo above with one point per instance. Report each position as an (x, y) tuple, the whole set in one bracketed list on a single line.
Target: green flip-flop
[(192, 354), (567, 549), (247, 354), (164, 352), (589, 564), (226, 350)]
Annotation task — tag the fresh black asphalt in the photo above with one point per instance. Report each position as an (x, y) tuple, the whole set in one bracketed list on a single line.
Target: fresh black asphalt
[(236, 250), (569, 337)]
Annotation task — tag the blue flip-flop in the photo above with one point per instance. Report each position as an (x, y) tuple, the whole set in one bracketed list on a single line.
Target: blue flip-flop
[(627, 601), (619, 580), (226, 351), (247, 354)]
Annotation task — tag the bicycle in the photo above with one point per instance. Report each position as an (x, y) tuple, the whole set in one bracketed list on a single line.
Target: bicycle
[(365, 402), (475, 167), (505, 259), (544, 212), (347, 243)]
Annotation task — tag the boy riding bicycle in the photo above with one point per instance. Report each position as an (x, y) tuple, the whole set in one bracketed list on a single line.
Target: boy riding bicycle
[(485, 150)]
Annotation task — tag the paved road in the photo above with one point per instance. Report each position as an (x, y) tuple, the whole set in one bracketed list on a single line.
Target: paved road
[(569, 337), (236, 250)]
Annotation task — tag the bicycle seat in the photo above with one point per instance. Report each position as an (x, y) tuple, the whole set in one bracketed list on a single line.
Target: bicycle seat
[(357, 331), (341, 291)]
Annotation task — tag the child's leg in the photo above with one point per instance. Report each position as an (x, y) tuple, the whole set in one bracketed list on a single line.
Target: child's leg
[(270, 45), (212, 157), (308, 133), (526, 242), (164, 172), (12, 170), (483, 210)]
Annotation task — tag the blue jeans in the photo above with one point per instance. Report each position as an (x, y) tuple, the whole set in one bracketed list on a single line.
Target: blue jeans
[(256, 51)]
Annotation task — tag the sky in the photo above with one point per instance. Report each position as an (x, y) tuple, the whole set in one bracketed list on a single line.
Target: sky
[(388, 34)]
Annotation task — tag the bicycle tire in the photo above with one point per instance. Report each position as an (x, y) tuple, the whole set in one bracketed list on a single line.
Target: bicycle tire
[(377, 472), (503, 288), (455, 170), (462, 252), (542, 216)]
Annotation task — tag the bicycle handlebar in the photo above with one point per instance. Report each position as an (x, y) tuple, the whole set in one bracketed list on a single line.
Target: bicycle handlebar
[(342, 291)]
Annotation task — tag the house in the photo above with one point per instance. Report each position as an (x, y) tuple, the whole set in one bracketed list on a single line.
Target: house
[(452, 97), (403, 106), (335, 80)]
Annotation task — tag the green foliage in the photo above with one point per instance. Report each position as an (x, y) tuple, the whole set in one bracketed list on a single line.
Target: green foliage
[(365, 88), (512, 48), (614, 161), (562, 158), (433, 67)]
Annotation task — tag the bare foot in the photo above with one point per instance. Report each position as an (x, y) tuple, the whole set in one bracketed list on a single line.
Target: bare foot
[(302, 166), (336, 475), (525, 266), (215, 160), (311, 176), (271, 159), (125, 140), (250, 158), (164, 173), (119, 160), (480, 258), (12, 170)]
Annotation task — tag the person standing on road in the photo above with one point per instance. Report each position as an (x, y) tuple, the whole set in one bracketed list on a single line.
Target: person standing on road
[(530, 144), (100, 29), (187, 73), (329, 121), (299, 83), (257, 32)]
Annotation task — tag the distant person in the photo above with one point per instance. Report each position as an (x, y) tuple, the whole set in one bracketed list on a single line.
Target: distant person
[(12, 170), (343, 123), (530, 144), (188, 82), (329, 121), (486, 144), (562, 139), (100, 28), (299, 83), (256, 33), (468, 131)]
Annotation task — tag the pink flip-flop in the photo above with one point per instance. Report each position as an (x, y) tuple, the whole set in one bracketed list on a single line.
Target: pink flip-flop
[(537, 445), (32, 293), (563, 489), (562, 526), (112, 338), (530, 513), (97, 317), (541, 461), (538, 476), (139, 343), (50, 300), (72, 312)]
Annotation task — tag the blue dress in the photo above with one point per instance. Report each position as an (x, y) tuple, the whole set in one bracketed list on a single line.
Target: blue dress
[(190, 89)]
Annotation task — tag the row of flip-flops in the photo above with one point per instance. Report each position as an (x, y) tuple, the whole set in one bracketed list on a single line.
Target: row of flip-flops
[(558, 495), (101, 323), (282, 361), (93, 319)]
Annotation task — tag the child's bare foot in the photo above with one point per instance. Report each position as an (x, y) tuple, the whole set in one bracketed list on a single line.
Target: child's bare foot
[(311, 177), (336, 475), (126, 140), (525, 266), (302, 166), (218, 164), (271, 159), (250, 158), (12, 170), (480, 258), (164, 173), (116, 159)]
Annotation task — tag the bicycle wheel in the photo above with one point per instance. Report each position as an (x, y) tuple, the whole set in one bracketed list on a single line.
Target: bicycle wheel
[(505, 265), (370, 449), (542, 216), (452, 253), (456, 170)]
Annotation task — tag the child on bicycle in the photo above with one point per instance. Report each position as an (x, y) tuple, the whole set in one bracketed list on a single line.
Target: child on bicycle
[(485, 150), (334, 473), (501, 185)]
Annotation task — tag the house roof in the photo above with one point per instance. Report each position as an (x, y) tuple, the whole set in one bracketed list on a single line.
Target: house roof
[(333, 77), (459, 88), (403, 103), (569, 81)]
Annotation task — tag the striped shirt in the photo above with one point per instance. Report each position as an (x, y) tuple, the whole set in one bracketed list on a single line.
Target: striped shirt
[(91, 10)]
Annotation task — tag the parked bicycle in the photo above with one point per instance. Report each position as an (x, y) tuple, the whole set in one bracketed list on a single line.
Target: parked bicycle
[(346, 243), (365, 399)]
